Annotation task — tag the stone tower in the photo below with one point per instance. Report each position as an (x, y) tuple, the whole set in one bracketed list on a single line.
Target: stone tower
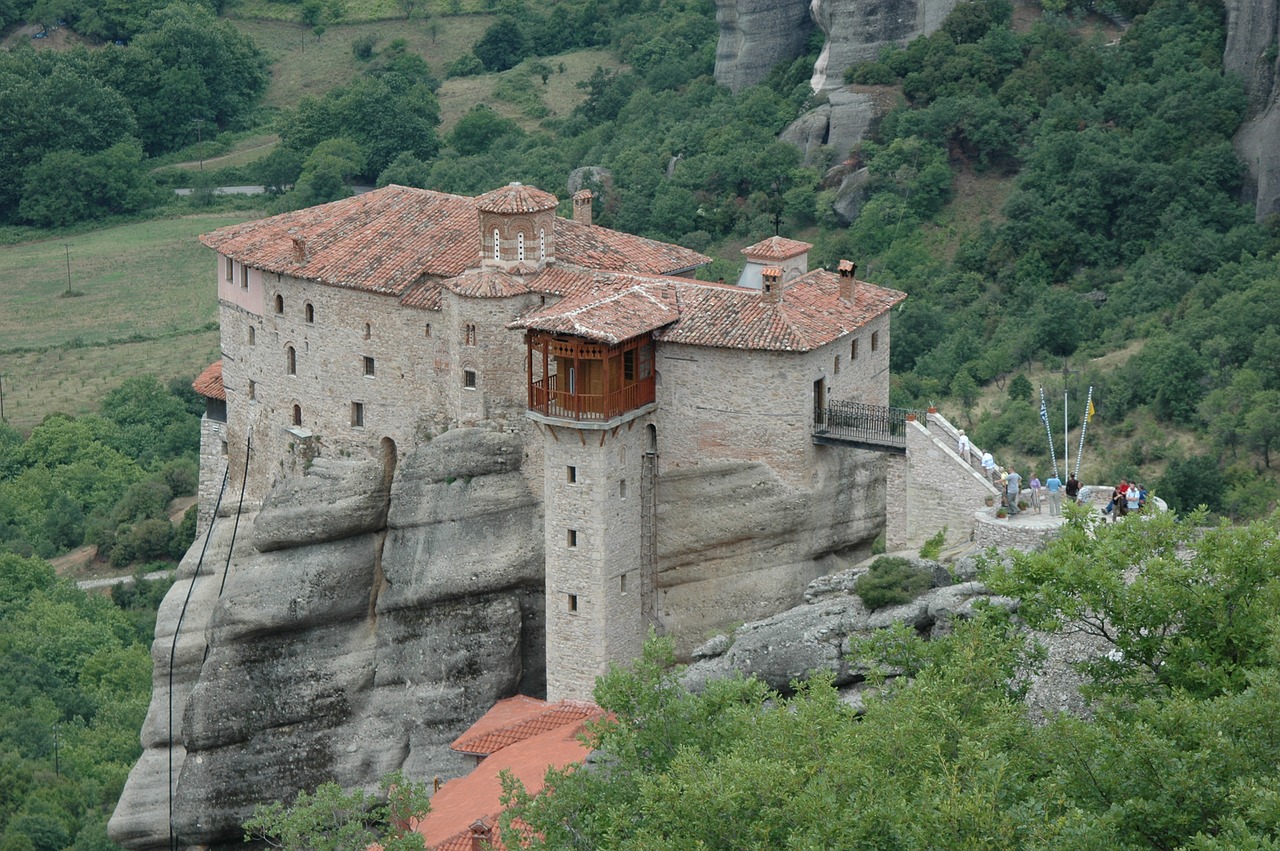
[(517, 227)]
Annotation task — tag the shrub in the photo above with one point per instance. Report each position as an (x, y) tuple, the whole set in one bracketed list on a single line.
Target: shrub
[(467, 65), (362, 47), (933, 547), (891, 581)]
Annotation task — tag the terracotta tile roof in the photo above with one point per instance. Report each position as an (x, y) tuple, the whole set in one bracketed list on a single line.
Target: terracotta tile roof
[(389, 239), (549, 718), (209, 382), (776, 248), (516, 198), (594, 247), (809, 314), (424, 295), (486, 283), (477, 796)]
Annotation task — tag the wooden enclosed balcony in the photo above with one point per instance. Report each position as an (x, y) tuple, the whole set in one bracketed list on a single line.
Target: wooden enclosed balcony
[(571, 378)]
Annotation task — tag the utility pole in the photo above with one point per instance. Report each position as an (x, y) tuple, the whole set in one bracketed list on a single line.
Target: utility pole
[(199, 122)]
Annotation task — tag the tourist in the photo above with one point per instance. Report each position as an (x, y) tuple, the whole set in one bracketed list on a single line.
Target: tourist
[(989, 464), (1054, 486), (1034, 484), (962, 446), (1013, 488), (1073, 488)]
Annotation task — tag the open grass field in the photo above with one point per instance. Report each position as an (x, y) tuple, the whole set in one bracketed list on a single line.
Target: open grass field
[(147, 304)]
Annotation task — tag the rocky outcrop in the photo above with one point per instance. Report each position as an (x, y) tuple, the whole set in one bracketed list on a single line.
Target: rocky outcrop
[(1253, 52), (755, 35), (355, 624)]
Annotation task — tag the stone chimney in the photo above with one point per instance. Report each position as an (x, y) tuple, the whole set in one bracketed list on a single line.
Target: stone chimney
[(299, 249), (481, 835), (848, 270), (582, 206), (771, 284)]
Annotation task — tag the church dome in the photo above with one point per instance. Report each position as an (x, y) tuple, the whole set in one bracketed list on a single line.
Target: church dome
[(516, 198)]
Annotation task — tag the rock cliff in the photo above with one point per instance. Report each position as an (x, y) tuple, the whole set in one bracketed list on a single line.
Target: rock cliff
[(1253, 52), (367, 612)]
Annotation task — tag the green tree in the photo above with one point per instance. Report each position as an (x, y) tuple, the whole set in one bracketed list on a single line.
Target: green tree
[(330, 819), (479, 129), (502, 46)]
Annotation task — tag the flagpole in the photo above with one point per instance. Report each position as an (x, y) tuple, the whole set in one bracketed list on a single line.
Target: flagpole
[(1084, 426), (1044, 417), (1066, 435)]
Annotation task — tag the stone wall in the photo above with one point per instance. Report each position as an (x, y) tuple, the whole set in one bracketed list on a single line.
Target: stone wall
[(213, 461)]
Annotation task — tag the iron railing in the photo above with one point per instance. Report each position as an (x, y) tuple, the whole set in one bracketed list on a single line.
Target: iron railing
[(857, 422)]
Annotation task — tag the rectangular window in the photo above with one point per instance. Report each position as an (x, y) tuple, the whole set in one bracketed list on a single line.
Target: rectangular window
[(231, 269), (571, 538), (622, 583), (244, 277), (622, 488), (573, 602), (253, 390), (875, 340), (469, 379), (629, 365), (427, 331), (357, 414), (853, 350), (368, 365), (835, 367), (571, 474), (253, 336)]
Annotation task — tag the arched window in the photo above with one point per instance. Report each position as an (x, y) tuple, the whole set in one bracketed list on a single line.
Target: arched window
[(368, 330), (297, 415), (279, 303), (291, 361), (520, 246), (542, 244), (253, 336), (497, 248), (310, 312), (469, 335)]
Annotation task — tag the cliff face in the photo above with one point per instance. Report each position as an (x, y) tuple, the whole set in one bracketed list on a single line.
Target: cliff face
[(368, 612), (1253, 52), (755, 35)]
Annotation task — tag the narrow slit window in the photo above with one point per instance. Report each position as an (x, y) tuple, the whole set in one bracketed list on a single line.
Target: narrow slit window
[(368, 366), (571, 474), (291, 361), (230, 269), (853, 350), (310, 313), (253, 336), (835, 366), (622, 583), (297, 415), (622, 488), (875, 340), (253, 390), (279, 303), (357, 414), (426, 332), (573, 602), (244, 277), (571, 539)]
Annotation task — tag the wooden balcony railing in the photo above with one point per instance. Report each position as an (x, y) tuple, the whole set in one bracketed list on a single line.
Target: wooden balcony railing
[(549, 401)]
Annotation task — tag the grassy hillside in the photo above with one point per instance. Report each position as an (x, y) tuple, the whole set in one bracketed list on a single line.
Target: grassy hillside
[(145, 303)]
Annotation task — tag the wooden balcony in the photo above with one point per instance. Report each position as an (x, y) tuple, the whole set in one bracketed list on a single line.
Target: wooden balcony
[(584, 381)]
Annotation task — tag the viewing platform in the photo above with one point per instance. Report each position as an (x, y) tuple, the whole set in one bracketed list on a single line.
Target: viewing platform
[(861, 426)]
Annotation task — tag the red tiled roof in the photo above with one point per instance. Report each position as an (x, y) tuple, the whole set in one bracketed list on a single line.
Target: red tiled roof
[(809, 314), (486, 283), (209, 382), (551, 741), (776, 248), (551, 717), (387, 240), (423, 296), (516, 198)]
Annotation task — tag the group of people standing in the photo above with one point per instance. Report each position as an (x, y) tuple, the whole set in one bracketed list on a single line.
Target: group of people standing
[(1125, 497), (1010, 481)]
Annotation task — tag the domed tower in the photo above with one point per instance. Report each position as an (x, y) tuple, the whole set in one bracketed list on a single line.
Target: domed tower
[(517, 227)]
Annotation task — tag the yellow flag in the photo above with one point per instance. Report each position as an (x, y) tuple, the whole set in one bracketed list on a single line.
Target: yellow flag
[(1089, 415)]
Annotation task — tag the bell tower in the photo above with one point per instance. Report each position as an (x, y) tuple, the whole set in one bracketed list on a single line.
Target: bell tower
[(517, 227)]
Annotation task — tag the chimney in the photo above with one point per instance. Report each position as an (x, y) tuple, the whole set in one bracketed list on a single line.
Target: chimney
[(847, 271), (771, 284), (582, 206), (299, 249)]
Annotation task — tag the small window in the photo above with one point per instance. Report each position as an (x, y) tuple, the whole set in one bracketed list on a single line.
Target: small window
[(571, 474), (469, 335), (368, 365), (230, 269), (224, 447), (253, 336), (244, 277), (310, 313), (573, 602), (571, 539), (497, 248), (469, 379), (520, 246), (253, 390), (622, 488), (291, 361), (368, 330), (853, 350), (426, 332), (279, 303), (357, 414), (622, 583), (297, 415), (835, 366), (875, 340)]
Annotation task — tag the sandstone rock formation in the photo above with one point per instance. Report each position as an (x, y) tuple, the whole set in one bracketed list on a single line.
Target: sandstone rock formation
[(755, 35), (1253, 52), (367, 612)]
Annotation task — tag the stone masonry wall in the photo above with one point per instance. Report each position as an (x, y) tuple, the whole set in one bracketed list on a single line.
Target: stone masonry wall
[(931, 488), (593, 553), (213, 460)]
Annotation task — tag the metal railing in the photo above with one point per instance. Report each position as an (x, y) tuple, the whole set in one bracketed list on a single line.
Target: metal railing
[(863, 424)]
